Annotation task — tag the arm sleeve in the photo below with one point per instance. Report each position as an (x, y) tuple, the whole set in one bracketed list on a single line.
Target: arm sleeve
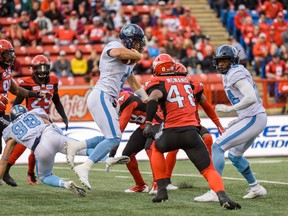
[(249, 94), (58, 105), (209, 110), (19, 99), (126, 115)]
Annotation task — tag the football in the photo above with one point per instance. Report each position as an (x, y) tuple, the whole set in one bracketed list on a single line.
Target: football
[(128, 61)]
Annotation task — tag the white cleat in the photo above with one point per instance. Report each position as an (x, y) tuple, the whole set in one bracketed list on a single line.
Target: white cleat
[(71, 148), (118, 160), (76, 189), (82, 172), (209, 196), (108, 167), (255, 193), (171, 187), (154, 189)]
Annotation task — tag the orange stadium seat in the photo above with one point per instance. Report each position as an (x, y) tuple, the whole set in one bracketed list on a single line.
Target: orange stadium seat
[(6, 21), (48, 40), (98, 48), (68, 49), (53, 50), (20, 51), (38, 50), (24, 60), (142, 9), (86, 49)]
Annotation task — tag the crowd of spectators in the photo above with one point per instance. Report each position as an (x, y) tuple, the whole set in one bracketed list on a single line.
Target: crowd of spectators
[(169, 27)]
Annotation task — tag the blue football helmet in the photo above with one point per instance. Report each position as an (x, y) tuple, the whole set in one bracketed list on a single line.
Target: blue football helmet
[(132, 36), (225, 52), (16, 111)]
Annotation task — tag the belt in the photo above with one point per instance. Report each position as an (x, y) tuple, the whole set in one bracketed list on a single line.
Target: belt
[(36, 142)]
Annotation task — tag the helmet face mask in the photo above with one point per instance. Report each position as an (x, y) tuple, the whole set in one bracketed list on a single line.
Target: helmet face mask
[(132, 36), (17, 111), (225, 57), (40, 68), (7, 54)]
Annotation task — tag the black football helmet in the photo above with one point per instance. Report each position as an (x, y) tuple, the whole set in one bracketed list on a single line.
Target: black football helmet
[(225, 52), (16, 111), (132, 36)]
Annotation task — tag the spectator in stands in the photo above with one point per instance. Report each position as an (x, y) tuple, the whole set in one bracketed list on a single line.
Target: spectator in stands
[(249, 4), (160, 9), (178, 9), (96, 6), (169, 20), (154, 49), (187, 47), (75, 23), (157, 29), (239, 20), (16, 69), (241, 50), (35, 9), (14, 34), (4, 9), (135, 17), (106, 19), (96, 32), (152, 16), (271, 8), (274, 37), (24, 20), (66, 8), (32, 36), (172, 49), (112, 5), (197, 36), (145, 64), (45, 6), (120, 19), (145, 21), (191, 62), (3, 34), (54, 14), (76, 4), (187, 21), (83, 14), (202, 46), (207, 62), (65, 36), (285, 38), (44, 24), (261, 51), (79, 64), (247, 30), (111, 35), (262, 23), (93, 64), (276, 69), (280, 24), (149, 37), (62, 66)]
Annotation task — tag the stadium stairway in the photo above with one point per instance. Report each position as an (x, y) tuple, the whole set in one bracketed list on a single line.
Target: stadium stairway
[(207, 20)]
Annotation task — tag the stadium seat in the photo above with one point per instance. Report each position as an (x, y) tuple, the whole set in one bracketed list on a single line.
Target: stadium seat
[(86, 49), (32, 51), (20, 51), (98, 48), (24, 60), (53, 50), (6, 21), (48, 40)]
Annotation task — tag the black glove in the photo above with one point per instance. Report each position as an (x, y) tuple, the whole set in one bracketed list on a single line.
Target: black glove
[(66, 123), (147, 132)]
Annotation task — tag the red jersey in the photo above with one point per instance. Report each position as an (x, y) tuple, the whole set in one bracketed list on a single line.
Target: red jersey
[(178, 102), (198, 91), (5, 81), (32, 103), (277, 69), (133, 110)]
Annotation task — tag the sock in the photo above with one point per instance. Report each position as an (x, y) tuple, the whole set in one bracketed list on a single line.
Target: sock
[(208, 140), (88, 163), (53, 180), (31, 163), (158, 163), (16, 153), (170, 163), (93, 142), (103, 148), (243, 167), (134, 170), (213, 178), (218, 158), (85, 152), (149, 154)]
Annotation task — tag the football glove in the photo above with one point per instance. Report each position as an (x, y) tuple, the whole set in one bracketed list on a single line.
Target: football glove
[(147, 132), (44, 94), (223, 108)]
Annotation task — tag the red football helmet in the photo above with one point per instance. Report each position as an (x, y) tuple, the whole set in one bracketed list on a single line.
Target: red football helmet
[(7, 54), (40, 67), (163, 64), (181, 69)]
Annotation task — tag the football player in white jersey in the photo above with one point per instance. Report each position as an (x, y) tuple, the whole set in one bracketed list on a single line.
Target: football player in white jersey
[(34, 130), (242, 131), (116, 63)]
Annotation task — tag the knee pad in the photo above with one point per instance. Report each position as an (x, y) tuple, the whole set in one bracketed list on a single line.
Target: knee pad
[(239, 162)]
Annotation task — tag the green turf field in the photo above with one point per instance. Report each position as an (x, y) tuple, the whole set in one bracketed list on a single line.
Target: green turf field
[(107, 196)]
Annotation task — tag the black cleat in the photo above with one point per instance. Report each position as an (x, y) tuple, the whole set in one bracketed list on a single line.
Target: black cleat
[(226, 202), (9, 180), (161, 195)]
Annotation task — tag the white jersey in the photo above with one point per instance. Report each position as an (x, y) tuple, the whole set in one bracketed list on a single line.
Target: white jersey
[(113, 72), (26, 128), (236, 73)]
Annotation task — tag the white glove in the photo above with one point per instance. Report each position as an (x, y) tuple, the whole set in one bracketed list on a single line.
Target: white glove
[(223, 108), (234, 121)]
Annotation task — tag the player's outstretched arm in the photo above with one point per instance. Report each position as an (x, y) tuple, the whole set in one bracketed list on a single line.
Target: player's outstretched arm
[(124, 53), (16, 90), (5, 156), (137, 88)]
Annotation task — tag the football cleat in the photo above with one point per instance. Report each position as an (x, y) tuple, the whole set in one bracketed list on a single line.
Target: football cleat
[(226, 202), (171, 187), (31, 178), (255, 193), (138, 188), (209, 196), (161, 195), (76, 189), (82, 172), (71, 150), (154, 188), (117, 160), (9, 180)]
